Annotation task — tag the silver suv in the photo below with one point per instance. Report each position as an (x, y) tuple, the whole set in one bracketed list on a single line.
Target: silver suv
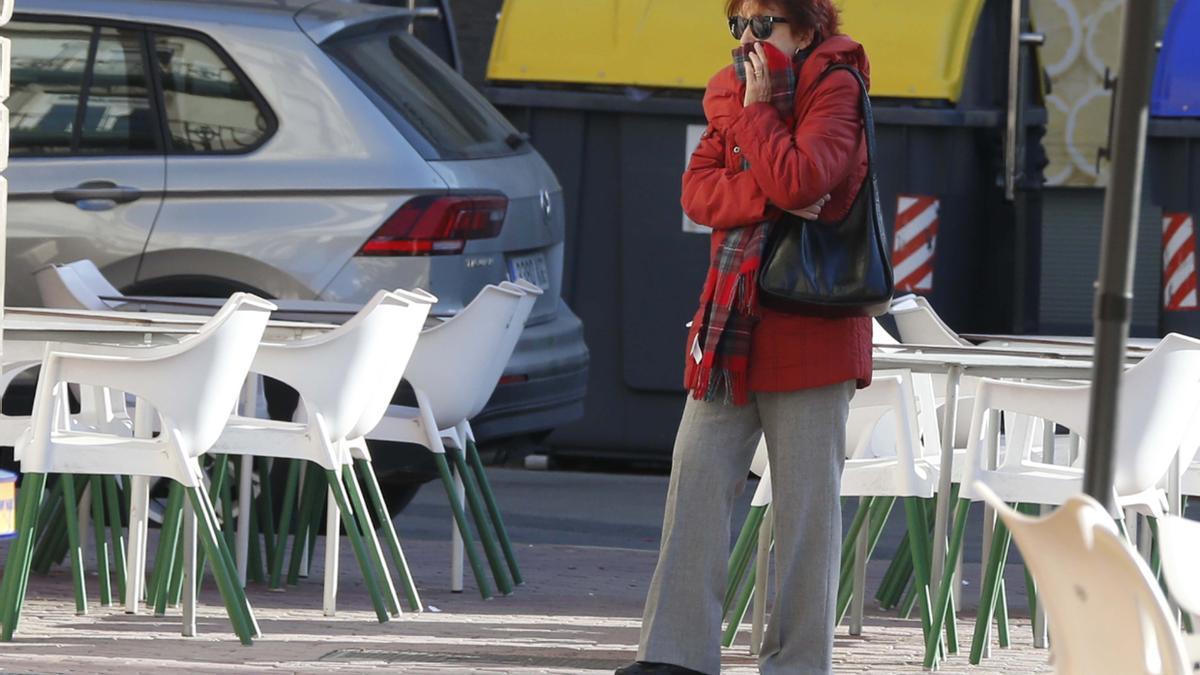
[(292, 148)]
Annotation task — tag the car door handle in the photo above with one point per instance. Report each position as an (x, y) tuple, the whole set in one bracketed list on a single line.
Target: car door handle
[(100, 190)]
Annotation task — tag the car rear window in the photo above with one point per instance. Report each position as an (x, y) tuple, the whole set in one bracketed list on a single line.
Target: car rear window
[(422, 95)]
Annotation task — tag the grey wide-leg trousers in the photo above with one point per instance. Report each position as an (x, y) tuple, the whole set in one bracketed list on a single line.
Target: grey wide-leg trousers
[(805, 431)]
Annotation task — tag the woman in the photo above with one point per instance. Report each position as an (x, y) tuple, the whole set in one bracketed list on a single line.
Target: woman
[(750, 370)]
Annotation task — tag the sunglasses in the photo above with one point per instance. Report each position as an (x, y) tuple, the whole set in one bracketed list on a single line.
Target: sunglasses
[(761, 27)]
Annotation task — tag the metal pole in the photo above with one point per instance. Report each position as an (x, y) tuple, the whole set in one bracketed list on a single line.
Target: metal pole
[(1114, 289)]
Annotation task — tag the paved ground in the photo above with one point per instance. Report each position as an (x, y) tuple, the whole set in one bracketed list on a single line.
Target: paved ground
[(578, 612)]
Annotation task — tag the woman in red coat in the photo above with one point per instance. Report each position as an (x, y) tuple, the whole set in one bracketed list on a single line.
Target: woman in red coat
[(783, 135)]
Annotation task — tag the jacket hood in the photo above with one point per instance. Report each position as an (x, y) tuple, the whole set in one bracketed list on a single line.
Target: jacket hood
[(724, 95)]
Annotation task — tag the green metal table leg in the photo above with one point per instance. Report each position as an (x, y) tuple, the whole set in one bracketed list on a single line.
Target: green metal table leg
[(493, 508), (460, 518), (367, 471), (495, 561)]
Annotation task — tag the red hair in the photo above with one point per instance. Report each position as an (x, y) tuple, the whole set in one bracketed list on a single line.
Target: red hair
[(821, 16)]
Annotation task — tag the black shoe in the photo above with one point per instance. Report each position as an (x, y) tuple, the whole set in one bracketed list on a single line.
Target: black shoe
[(647, 668)]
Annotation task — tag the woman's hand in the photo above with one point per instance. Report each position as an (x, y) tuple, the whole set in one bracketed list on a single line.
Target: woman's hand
[(758, 80), (812, 212)]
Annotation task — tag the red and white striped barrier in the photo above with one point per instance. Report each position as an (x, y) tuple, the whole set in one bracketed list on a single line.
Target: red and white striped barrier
[(916, 242), (1179, 262)]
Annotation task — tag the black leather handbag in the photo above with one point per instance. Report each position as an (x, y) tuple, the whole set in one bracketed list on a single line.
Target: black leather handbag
[(832, 269)]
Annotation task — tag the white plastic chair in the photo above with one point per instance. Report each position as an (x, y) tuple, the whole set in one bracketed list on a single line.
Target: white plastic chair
[(1179, 550), (214, 364), (62, 286), (360, 365), (455, 368), (890, 439), (1104, 607), (1159, 399)]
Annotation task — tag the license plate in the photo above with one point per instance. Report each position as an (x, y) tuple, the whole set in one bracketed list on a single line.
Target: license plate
[(531, 267)]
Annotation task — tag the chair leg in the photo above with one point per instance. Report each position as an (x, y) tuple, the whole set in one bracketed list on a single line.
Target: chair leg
[(16, 568), (489, 499), (367, 471), (370, 538), (210, 539), (762, 569), (990, 589), (266, 513), (942, 612), (226, 553), (918, 537), (860, 576), (464, 529), (52, 534), (190, 570), (254, 543), (76, 548), (879, 511), (739, 609), (360, 551), (311, 491), (495, 561), (1003, 635), (245, 475), (333, 540), (135, 559), (116, 533), (285, 522), (740, 558), (100, 535), (168, 549)]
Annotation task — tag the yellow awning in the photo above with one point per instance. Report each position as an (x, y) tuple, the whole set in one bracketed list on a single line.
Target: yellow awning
[(915, 53)]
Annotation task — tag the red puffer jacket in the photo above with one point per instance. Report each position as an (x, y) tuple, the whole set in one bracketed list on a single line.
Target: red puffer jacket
[(792, 164)]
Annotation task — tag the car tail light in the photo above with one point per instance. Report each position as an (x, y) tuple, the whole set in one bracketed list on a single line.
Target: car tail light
[(513, 379), (438, 225)]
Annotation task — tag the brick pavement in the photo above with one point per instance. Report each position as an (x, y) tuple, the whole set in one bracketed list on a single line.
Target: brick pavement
[(578, 613)]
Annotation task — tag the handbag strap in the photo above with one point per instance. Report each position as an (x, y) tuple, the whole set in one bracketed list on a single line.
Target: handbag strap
[(868, 113), (869, 126)]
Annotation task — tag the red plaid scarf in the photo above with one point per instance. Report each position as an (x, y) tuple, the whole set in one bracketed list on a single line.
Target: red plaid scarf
[(731, 287)]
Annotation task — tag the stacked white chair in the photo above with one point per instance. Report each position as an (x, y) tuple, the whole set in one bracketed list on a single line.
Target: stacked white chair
[(1105, 609), (454, 370), (1159, 401), (361, 363), (214, 363)]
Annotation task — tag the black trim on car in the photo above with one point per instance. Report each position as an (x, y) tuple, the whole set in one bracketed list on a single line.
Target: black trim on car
[(81, 110), (256, 96), (154, 86)]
